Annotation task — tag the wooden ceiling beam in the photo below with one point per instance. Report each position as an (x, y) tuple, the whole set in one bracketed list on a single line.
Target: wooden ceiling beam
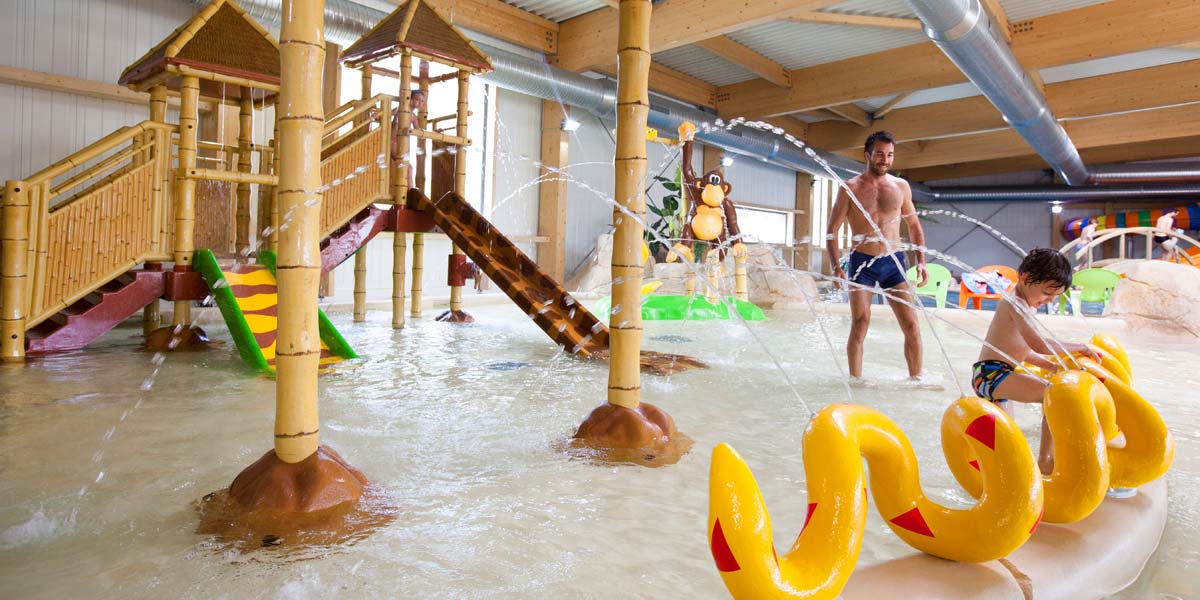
[(1153, 150), (1138, 89), (852, 113), (999, 17), (1126, 128), (590, 40), (890, 105), (676, 84), (1099, 30), (859, 20), (728, 49)]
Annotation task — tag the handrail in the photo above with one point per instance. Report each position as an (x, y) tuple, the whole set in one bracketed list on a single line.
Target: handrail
[(98, 148), (336, 123), (1106, 235)]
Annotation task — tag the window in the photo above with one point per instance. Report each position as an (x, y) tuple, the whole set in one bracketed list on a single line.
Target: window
[(764, 226)]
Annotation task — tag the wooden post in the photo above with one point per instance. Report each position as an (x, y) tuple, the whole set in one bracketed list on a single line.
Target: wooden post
[(460, 173), (418, 273), (185, 189), (14, 269), (552, 191), (741, 279), (360, 257), (300, 115), (400, 188), (274, 200), (418, 249), (633, 104), (245, 145), (802, 224), (158, 113)]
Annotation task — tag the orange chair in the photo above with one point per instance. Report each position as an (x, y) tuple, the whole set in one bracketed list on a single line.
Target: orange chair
[(965, 294)]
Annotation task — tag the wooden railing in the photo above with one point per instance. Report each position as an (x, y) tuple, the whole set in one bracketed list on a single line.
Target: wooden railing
[(355, 152), (98, 223)]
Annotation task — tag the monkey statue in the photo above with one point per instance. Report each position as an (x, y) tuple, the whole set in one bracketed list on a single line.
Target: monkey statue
[(711, 218)]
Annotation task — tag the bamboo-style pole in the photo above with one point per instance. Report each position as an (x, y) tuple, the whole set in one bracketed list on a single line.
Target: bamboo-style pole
[(158, 113), (400, 188), (14, 268), (418, 274), (460, 172), (266, 196), (228, 176), (274, 237), (418, 244), (300, 118), (245, 147), (185, 189), (714, 266), (633, 104), (740, 280), (360, 257), (422, 123)]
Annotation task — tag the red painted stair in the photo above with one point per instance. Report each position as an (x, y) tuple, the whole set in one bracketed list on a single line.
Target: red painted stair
[(82, 322), (343, 243)]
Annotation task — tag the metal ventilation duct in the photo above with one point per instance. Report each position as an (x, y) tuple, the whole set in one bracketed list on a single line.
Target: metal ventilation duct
[(346, 21), (965, 34)]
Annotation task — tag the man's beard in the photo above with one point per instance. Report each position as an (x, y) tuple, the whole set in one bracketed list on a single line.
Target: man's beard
[(878, 171)]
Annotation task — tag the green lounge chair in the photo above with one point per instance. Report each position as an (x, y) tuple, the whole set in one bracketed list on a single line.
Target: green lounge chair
[(1095, 285), (938, 284)]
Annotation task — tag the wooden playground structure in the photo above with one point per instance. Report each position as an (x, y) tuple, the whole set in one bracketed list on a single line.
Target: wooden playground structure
[(85, 240)]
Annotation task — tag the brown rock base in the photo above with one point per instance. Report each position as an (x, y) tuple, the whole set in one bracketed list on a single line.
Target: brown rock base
[(320, 501), (455, 316), (177, 339), (644, 435), (659, 363)]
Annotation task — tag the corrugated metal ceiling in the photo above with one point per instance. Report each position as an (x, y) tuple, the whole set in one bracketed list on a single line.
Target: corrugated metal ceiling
[(557, 10), (798, 45), (702, 64)]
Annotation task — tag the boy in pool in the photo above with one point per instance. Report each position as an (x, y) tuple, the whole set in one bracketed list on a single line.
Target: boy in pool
[(1043, 275)]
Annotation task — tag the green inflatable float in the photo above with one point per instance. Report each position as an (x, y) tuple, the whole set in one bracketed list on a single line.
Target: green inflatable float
[(673, 307)]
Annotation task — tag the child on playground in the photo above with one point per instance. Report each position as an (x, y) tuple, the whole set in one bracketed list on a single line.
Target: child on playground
[(1011, 340)]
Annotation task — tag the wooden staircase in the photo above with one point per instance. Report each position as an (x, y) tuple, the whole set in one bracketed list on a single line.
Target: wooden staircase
[(82, 322)]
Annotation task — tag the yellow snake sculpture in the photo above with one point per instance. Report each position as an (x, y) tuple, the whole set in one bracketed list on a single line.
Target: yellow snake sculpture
[(987, 454)]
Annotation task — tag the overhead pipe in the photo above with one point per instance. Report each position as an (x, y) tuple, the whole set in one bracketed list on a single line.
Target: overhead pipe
[(962, 29), (347, 21)]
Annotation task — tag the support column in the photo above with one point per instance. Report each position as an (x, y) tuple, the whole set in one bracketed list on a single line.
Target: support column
[(552, 191), (185, 191), (330, 94), (625, 428), (245, 147), (418, 249), (360, 257), (14, 270), (151, 316), (299, 475), (400, 187), (456, 314), (802, 224)]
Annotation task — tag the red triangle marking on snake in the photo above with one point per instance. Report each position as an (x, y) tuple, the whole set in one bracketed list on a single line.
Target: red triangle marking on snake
[(1038, 521), (974, 463), (914, 522), (775, 554), (983, 429), (722, 555), (812, 507), (1100, 378)]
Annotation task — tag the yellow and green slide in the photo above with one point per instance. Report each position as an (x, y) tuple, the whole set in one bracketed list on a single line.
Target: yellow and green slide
[(248, 298)]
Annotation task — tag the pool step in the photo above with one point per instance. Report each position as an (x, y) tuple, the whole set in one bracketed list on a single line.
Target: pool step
[(91, 317)]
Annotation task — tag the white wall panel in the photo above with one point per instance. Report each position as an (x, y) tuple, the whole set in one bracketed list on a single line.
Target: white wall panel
[(514, 205), (764, 184), (86, 39), (1026, 224)]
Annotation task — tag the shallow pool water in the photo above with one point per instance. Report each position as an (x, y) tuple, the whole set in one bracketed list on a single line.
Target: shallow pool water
[(457, 425)]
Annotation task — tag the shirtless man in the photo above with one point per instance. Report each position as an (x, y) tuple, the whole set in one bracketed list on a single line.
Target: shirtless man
[(1167, 223), (886, 199)]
